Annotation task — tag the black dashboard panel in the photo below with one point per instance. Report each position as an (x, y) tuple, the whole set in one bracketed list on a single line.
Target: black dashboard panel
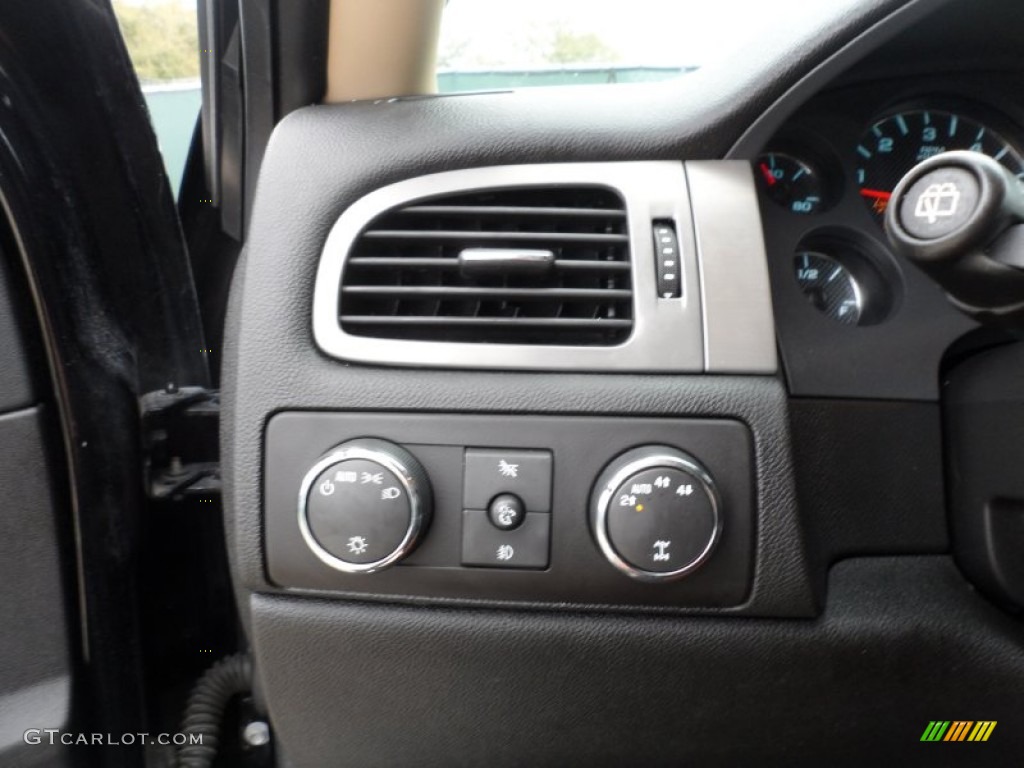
[(903, 642)]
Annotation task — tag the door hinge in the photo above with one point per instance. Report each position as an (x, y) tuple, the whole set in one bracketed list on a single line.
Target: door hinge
[(180, 427)]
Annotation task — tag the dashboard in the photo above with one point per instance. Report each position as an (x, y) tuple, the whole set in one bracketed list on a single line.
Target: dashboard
[(430, 489), (558, 426), (854, 319)]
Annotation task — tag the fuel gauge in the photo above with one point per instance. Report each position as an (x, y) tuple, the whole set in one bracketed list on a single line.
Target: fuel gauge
[(848, 278), (790, 182), (830, 287)]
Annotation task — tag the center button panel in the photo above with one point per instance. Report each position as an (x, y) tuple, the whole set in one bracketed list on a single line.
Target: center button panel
[(650, 511), (499, 487)]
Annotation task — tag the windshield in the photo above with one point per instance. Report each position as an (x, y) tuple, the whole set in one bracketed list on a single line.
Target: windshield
[(491, 44)]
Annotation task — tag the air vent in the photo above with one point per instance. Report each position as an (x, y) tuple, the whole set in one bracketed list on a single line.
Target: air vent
[(538, 266)]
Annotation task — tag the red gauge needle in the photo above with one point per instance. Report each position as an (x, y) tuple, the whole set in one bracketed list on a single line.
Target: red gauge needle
[(768, 175), (876, 194)]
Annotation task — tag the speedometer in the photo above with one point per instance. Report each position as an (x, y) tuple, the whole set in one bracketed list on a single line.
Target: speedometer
[(895, 144)]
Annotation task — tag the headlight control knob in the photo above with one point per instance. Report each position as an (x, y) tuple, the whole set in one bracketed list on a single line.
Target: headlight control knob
[(656, 514), (364, 506)]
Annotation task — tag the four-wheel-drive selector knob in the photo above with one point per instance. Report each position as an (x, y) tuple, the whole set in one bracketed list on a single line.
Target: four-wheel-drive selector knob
[(364, 506), (655, 513)]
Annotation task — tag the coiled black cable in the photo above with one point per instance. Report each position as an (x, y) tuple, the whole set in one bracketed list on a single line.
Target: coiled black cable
[(205, 710)]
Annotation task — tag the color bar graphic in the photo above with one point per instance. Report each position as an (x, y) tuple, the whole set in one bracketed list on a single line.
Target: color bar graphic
[(982, 730), (935, 731), (958, 730)]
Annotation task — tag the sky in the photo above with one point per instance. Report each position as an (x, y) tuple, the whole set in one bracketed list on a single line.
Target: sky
[(643, 32)]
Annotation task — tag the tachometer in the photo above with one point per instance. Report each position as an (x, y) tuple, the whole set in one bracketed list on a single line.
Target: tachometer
[(895, 144)]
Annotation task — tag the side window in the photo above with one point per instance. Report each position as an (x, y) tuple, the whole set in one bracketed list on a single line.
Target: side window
[(163, 40)]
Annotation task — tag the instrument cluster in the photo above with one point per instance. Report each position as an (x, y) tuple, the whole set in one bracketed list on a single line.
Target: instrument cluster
[(837, 275), (852, 318)]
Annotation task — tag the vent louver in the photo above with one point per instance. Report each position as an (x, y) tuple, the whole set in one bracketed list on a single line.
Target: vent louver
[(542, 266)]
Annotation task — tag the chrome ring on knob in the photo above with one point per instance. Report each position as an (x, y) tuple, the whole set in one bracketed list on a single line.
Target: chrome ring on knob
[(411, 479), (669, 459)]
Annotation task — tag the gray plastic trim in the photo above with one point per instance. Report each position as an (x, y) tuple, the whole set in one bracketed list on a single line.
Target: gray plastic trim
[(668, 334), (43, 705)]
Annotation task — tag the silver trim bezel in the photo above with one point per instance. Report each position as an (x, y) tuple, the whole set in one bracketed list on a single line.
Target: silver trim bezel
[(667, 333), (642, 464), (739, 320), (405, 477)]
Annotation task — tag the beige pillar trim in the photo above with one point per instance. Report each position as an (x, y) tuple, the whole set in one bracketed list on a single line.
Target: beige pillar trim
[(381, 48)]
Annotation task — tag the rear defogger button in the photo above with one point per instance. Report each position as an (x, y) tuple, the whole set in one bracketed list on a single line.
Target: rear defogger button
[(494, 471)]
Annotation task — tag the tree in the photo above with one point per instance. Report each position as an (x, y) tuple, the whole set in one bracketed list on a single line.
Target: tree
[(162, 38), (566, 46), (452, 55)]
